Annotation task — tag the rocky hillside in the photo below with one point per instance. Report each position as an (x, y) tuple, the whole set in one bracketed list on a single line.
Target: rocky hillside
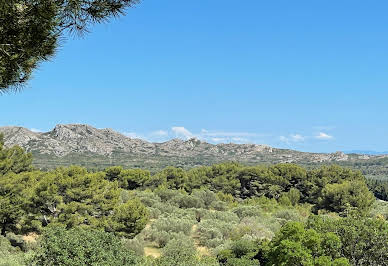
[(83, 144)]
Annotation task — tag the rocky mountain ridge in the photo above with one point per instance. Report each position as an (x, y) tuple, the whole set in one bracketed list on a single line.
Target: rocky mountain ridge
[(84, 139), (77, 138)]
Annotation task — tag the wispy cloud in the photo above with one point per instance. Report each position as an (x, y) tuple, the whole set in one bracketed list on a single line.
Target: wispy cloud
[(221, 136), (292, 138), (208, 133), (36, 130), (323, 136), (132, 135), (181, 132), (297, 138), (230, 136), (159, 133)]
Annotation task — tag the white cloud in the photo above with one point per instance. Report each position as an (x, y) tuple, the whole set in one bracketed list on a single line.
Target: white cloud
[(132, 135), (36, 130), (219, 140), (323, 136), (297, 138), (292, 138), (228, 137), (207, 133), (160, 133), (204, 135), (240, 140), (182, 132), (284, 139)]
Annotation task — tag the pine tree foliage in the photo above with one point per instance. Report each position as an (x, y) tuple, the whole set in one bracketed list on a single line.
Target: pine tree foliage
[(31, 30)]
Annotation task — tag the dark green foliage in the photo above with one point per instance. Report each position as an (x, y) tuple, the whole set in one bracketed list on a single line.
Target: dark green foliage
[(128, 178), (10, 255), (241, 252), (13, 159), (297, 245), (379, 187), (349, 194), (81, 247), (30, 31), (73, 197), (179, 250), (188, 201), (364, 240), (174, 178), (129, 219), (10, 213), (228, 209)]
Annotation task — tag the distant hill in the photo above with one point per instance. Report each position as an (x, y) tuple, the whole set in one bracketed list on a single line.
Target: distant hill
[(367, 152), (99, 148)]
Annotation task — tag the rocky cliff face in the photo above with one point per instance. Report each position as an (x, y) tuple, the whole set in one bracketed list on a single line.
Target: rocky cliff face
[(65, 139), (84, 139)]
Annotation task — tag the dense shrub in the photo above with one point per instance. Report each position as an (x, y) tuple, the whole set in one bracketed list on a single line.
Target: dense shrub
[(286, 215), (228, 217), (9, 255), (174, 225), (255, 228), (364, 241), (206, 196), (241, 252), (349, 194), (247, 211), (129, 218), (181, 251), (148, 198), (187, 201), (82, 247), (213, 233), (136, 245), (296, 245)]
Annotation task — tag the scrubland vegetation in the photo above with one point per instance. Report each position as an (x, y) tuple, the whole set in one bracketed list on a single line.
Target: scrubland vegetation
[(226, 214)]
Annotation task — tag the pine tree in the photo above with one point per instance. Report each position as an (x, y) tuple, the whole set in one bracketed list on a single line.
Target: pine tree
[(30, 31)]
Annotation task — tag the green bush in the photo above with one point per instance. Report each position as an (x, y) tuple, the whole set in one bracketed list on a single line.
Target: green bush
[(174, 225), (148, 198), (344, 196), (228, 217), (136, 245), (364, 241), (255, 228), (295, 245), (128, 219), (187, 201), (286, 215), (213, 233), (248, 211), (206, 196), (9, 255), (166, 194), (81, 247)]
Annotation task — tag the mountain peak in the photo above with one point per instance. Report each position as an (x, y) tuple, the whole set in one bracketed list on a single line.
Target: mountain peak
[(99, 144)]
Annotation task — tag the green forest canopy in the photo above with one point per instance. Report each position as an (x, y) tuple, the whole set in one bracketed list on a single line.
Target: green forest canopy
[(241, 215)]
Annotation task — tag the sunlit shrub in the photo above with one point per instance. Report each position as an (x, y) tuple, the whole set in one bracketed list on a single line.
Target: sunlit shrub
[(287, 215), (247, 211), (228, 217), (206, 196), (187, 201), (213, 233)]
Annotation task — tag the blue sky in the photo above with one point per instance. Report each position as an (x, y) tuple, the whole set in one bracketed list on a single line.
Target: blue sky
[(306, 75)]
